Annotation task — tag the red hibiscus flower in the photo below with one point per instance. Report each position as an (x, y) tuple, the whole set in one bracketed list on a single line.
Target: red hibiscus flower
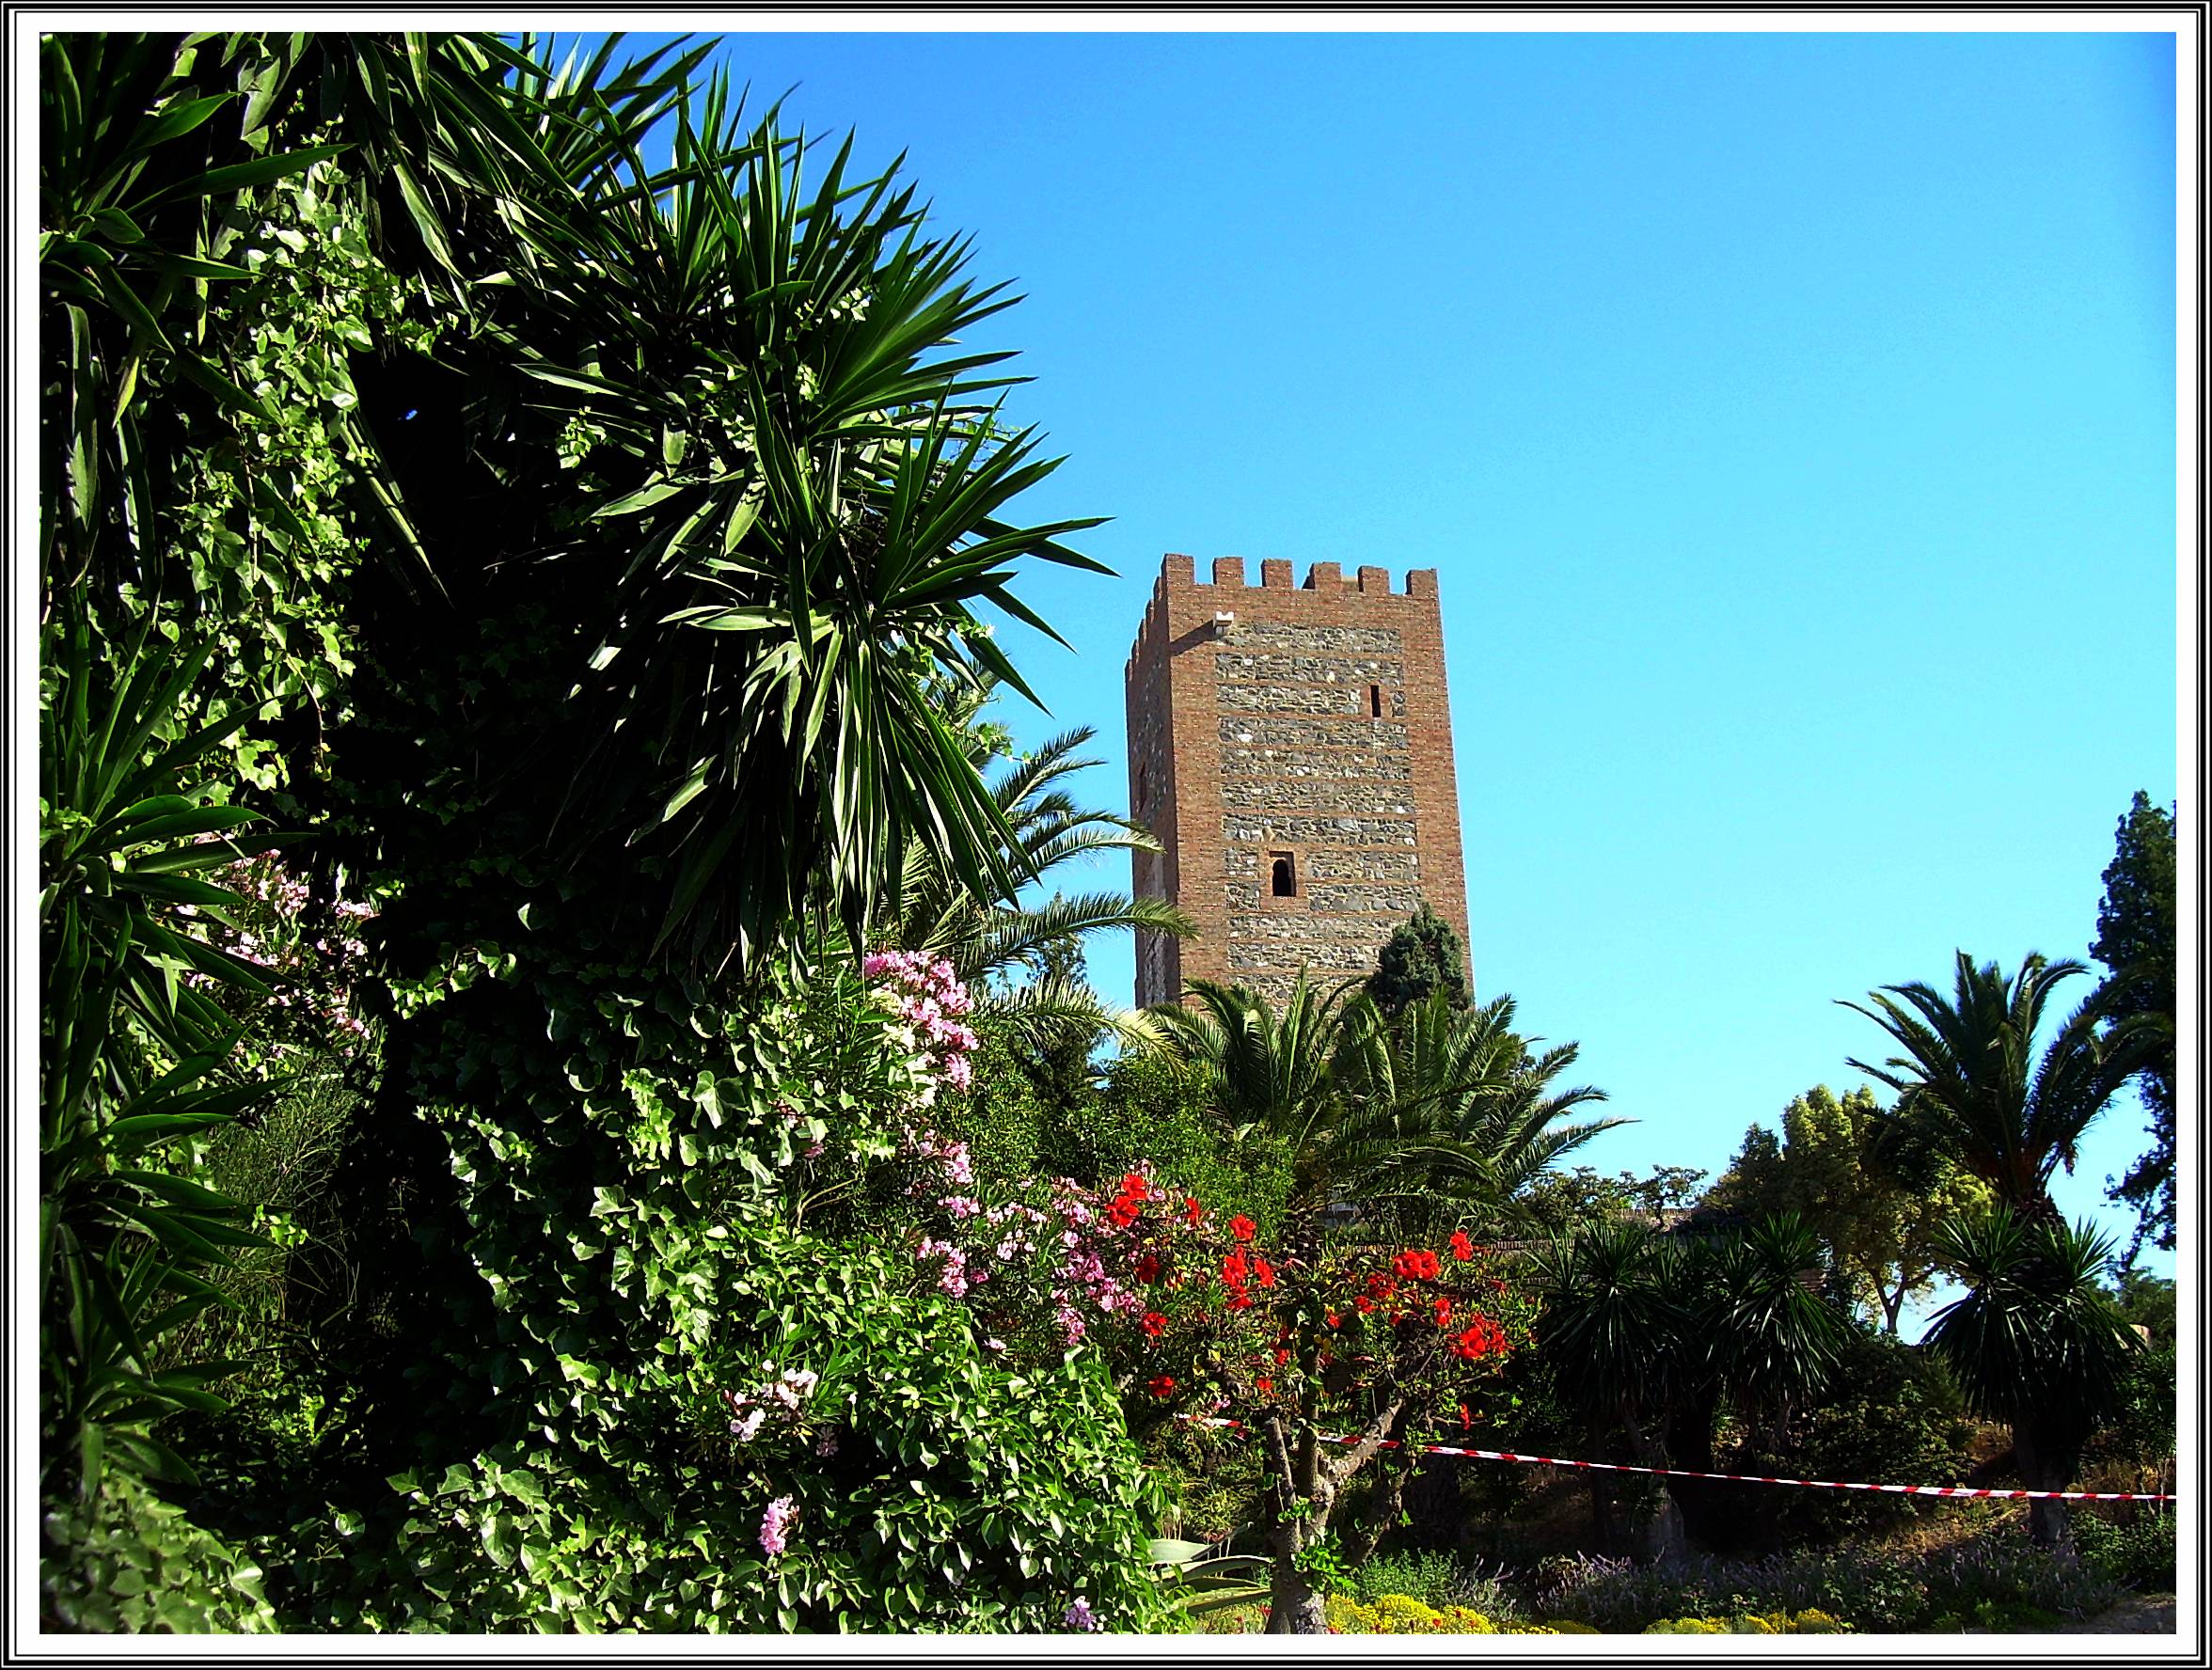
[(1263, 1272), (1242, 1227), (1148, 1269), (1462, 1247), (1192, 1211), (1160, 1385), (1154, 1324)]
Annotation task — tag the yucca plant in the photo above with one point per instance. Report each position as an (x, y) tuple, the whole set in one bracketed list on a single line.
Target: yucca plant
[(2036, 1343), (740, 457), (1617, 1328), (134, 1057)]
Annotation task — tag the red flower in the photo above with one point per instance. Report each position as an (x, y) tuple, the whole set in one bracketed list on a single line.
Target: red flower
[(1443, 1309), (1466, 1420), (1240, 1300), (1282, 1356), (1416, 1264), (1462, 1247), (1123, 1213), (1133, 1186), (1482, 1338), (1242, 1227), (1267, 1388), (1154, 1324), (1365, 1303), (1235, 1267), (1335, 1320), (1148, 1269), (1263, 1272), (1160, 1385), (1192, 1211)]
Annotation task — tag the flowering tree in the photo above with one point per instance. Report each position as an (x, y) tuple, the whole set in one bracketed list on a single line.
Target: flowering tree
[(1330, 1354)]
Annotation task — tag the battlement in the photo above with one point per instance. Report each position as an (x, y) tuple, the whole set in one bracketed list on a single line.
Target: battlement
[(1276, 575)]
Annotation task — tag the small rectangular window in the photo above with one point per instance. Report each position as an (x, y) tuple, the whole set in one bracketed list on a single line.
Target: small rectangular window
[(1282, 876), (1374, 702)]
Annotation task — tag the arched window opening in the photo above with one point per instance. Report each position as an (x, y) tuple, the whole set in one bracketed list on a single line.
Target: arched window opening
[(1282, 876)]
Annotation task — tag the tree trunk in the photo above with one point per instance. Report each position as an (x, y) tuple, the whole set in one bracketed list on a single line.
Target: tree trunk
[(1601, 1490), (1296, 1606), (2049, 1523), (1707, 1513), (1662, 1538), (1388, 1502), (1892, 1306)]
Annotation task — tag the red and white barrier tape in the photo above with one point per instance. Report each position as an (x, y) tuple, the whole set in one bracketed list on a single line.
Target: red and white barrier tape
[(1735, 1477)]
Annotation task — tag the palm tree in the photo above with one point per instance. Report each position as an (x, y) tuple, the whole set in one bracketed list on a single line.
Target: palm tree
[(992, 942), (1293, 1074), (2036, 1343), (1968, 1078), (1448, 1108), (1474, 1078)]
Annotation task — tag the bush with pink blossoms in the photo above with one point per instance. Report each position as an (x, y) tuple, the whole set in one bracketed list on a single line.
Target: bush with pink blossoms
[(928, 1003), (310, 955)]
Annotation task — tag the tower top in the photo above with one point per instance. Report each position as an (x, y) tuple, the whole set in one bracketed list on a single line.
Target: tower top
[(1275, 575)]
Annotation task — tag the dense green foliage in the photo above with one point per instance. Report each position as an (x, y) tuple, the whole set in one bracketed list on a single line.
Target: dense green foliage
[(1423, 954), (2135, 941), (685, 462), (1874, 1200)]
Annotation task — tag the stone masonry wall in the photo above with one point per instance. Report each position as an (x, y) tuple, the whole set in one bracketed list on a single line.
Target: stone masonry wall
[(1308, 724)]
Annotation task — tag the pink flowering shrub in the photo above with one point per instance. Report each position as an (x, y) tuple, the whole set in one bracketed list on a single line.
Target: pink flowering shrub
[(927, 1002), (308, 951)]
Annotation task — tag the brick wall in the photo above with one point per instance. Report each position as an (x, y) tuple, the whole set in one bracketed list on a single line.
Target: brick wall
[(1305, 726)]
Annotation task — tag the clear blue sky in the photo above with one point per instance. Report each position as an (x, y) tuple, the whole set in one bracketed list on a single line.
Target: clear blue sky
[(1790, 419)]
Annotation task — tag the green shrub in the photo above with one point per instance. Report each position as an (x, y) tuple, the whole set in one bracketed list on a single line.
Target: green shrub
[(2137, 1553), (1891, 1411), (1867, 1589), (691, 1202), (957, 1493), (1427, 1575), (129, 1561)]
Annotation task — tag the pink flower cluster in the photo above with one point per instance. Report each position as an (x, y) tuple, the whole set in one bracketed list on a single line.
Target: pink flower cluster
[(775, 1523), (926, 997), (1052, 1257), (784, 1396), (315, 968), (950, 1158)]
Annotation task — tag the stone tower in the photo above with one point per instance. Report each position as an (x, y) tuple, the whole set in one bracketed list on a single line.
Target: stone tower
[(1290, 746)]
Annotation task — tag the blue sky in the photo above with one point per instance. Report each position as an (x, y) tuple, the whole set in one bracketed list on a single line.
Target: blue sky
[(1790, 419)]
